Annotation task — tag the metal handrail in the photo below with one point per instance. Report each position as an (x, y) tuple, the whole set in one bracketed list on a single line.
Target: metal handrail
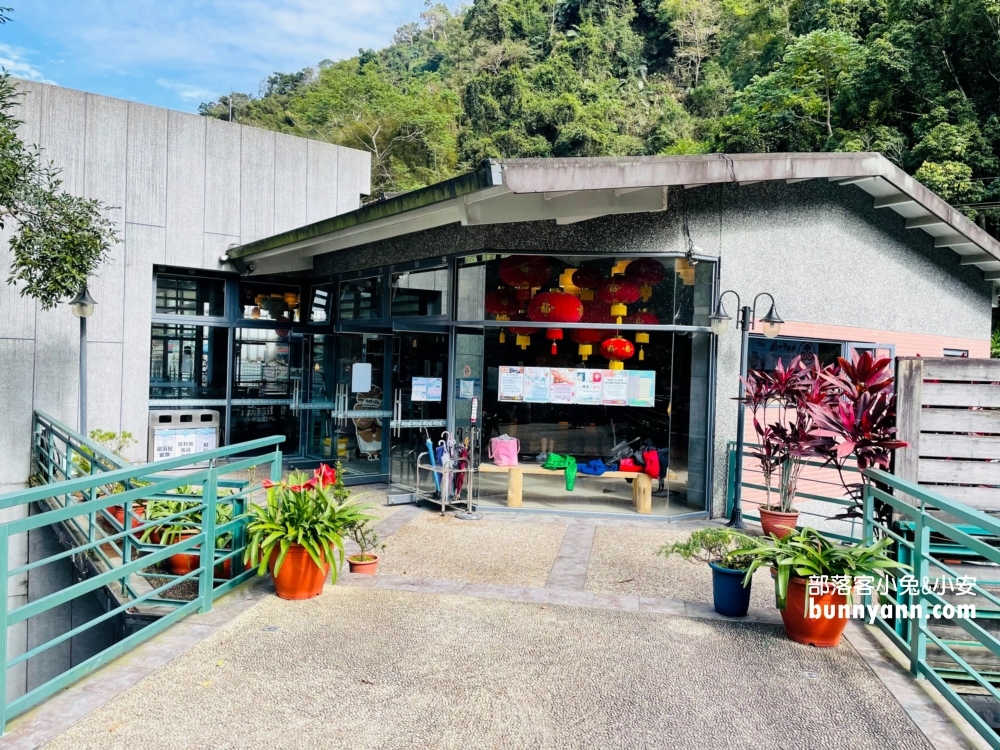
[(75, 503), (913, 508)]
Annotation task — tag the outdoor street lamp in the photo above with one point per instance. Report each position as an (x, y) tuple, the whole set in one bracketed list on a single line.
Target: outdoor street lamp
[(82, 306), (770, 326)]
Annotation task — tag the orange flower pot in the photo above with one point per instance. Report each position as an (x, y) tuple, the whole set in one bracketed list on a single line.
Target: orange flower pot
[(367, 566), (822, 632), (183, 563), (778, 523), (299, 577)]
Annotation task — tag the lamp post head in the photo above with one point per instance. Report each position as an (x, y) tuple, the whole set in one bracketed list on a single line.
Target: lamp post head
[(82, 305), (771, 323), (719, 319)]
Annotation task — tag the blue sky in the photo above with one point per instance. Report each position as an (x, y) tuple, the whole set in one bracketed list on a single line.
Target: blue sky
[(179, 53)]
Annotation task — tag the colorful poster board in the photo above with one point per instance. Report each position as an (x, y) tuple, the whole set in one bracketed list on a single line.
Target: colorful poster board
[(425, 389), (570, 385)]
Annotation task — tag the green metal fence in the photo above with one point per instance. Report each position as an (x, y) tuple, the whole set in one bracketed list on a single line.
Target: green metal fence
[(81, 486), (821, 497), (935, 536)]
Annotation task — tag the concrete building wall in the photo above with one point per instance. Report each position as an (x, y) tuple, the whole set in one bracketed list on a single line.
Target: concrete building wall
[(181, 189), (823, 251)]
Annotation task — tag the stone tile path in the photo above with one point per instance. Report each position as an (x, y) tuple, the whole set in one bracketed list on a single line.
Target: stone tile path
[(424, 612)]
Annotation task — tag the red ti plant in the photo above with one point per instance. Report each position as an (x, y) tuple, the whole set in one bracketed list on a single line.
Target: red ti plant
[(857, 418)]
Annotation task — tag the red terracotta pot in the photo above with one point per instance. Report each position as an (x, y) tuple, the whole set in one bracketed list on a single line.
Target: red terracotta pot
[(778, 523), (118, 511), (823, 631), (368, 566), (299, 577), (183, 563)]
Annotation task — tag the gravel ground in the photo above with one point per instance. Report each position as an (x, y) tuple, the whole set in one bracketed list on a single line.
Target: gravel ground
[(624, 561), (359, 669), (512, 553)]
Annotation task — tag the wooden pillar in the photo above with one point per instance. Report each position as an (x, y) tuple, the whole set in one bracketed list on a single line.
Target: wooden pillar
[(515, 486), (909, 399), (642, 493)]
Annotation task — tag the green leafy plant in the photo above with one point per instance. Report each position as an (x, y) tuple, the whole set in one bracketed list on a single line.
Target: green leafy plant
[(807, 553), (185, 516), (305, 511), (717, 545), (361, 531)]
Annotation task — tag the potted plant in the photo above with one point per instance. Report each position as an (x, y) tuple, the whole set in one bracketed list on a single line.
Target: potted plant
[(364, 535), (183, 521), (298, 533), (810, 569), (724, 551)]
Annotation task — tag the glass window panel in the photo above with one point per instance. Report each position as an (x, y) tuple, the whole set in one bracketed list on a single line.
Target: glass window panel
[(764, 353), (189, 295), (187, 361), (471, 288), (420, 293), (361, 299), (270, 301), (319, 308)]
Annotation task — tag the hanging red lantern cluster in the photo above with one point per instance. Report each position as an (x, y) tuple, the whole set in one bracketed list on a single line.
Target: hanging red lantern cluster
[(587, 279), (618, 292), (647, 273), (525, 272), (594, 311), (642, 317), (502, 304), (555, 307), (616, 350)]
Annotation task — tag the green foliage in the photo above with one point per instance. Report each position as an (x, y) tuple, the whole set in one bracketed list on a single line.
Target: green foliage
[(913, 79), (58, 239), (302, 512), (715, 545), (807, 553)]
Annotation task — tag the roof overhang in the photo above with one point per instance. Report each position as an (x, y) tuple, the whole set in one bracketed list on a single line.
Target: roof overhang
[(578, 189)]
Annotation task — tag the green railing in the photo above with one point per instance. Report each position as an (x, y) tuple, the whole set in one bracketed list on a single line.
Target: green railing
[(815, 509), (935, 548), (83, 483)]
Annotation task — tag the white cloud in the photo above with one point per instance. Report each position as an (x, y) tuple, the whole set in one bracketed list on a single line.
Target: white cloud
[(184, 90), (14, 61)]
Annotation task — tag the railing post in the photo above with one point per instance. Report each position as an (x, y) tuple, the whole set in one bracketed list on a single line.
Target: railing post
[(209, 498), (276, 467), (5, 583), (921, 543)]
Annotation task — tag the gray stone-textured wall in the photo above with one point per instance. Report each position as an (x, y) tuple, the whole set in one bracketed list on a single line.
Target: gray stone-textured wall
[(824, 252), (181, 189)]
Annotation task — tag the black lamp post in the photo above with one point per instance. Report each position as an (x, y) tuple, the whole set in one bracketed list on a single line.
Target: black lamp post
[(770, 326), (82, 306)]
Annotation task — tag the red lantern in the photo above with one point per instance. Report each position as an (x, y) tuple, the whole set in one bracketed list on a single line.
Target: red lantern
[(523, 335), (525, 272), (618, 292), (647, 273), (502, 303), (643, 317), (555, 307), (594, 311), (587, 280), (617, 349)]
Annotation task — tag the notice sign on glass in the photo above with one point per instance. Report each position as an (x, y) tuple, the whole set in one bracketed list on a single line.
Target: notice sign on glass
[(572, 385), (425, 389)]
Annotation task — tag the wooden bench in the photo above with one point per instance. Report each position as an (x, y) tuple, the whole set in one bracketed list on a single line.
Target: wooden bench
[(642, 485)]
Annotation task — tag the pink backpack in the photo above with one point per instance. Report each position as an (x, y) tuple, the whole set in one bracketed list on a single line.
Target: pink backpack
[(504, 451)]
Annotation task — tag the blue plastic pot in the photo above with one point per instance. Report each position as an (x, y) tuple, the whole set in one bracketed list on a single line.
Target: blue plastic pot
[(731, 598)]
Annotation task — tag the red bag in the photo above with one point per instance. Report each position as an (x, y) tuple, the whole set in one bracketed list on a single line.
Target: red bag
[(629, 464), (652, 460)]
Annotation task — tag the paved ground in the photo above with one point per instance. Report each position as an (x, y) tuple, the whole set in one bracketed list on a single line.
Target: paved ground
[(517, 631), (359, 668)]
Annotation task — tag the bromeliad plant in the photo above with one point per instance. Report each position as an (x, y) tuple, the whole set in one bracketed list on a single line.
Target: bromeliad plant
[(303, 511), (807, 553)]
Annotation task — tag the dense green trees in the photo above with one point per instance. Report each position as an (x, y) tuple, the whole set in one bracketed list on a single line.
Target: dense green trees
[(917, 80)]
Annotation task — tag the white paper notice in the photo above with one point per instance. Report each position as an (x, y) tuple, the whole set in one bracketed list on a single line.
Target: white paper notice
[(588, 387), (361, 377), (425, 389), (511, 385), (466, 388), (563, 390), (537, 381), (615, 387)]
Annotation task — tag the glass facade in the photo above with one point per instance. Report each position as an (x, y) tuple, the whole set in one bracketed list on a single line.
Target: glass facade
[(190, 295), (367, 369)]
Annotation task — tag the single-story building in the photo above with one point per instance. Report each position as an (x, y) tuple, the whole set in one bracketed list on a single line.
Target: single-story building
[(435, 294)]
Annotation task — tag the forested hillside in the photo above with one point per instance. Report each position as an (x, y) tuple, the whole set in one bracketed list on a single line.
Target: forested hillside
[(917, 80)]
